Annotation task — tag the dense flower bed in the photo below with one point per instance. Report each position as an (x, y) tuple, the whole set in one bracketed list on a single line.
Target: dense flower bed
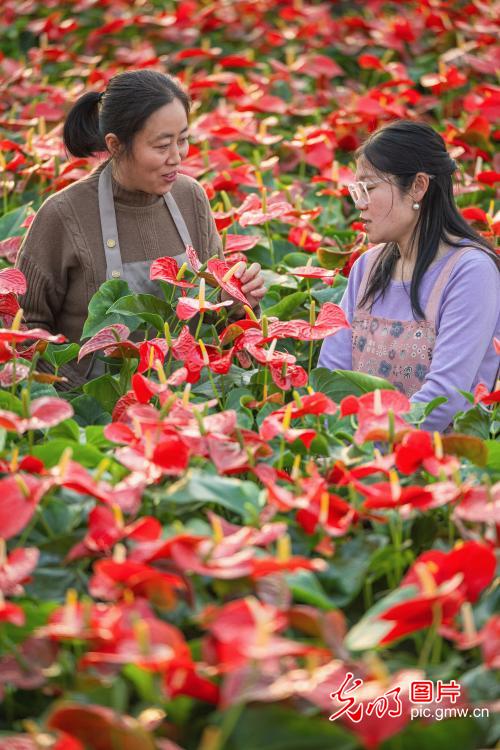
[(211, 543)]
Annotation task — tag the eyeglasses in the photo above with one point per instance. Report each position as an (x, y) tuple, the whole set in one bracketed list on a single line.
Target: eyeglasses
[(359, 190)]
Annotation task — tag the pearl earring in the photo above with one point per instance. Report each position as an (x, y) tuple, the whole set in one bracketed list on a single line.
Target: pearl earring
[(416, 206)]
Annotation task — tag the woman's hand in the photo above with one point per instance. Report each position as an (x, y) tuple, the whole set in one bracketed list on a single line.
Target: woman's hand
[(252, 283)]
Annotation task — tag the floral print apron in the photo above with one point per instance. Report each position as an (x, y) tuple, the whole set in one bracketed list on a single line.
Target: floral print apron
[(398, 350)]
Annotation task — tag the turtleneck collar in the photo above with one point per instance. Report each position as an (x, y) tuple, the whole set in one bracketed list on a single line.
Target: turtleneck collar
[(133, 197), (127, 197)]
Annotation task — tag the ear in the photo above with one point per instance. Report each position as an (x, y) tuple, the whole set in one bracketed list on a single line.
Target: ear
[(420, 186), (113, 144)]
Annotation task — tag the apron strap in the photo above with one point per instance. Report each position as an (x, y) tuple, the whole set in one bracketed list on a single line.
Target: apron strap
[(114, 266), (433, 303), (178, 219), (111, 243), (370, 262)]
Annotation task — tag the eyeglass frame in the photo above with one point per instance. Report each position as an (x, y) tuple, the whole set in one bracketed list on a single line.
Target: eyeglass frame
[(352, 186)]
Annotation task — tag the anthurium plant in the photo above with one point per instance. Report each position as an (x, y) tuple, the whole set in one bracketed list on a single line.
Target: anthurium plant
[(215, 544)]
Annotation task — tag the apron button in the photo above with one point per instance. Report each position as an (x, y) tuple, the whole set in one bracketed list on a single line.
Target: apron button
[(115, 274), (111, 243)]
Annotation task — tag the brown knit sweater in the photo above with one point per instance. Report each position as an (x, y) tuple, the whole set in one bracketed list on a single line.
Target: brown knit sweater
[(63, 259)]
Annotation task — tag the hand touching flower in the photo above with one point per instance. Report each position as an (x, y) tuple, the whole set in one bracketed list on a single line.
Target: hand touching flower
[(252, 283)]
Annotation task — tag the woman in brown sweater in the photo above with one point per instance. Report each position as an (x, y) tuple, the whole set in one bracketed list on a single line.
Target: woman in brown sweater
[(134, 208)]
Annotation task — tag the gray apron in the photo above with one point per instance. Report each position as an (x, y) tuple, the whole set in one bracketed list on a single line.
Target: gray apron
[(135, 274)]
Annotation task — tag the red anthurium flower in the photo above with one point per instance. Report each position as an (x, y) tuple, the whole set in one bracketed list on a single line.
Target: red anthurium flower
[(20, 495), (374, 415), (26, 668), (245, 630), (255, 210), (328, 511), (331, 318), (473, 213), (147, 642), (188, 307), (480, 505), (16, 568), (418, 449), (278, 422), (267, 566), (126, 494), (9, 248), (490, 642), (224, 274), (111, 579), (13, 373), (418, 613), (106, 527), (474, 561), (45, 412), (12, 281), (315, 272), (482, 395), (97, 726), (15, 337), (444, 580), (167, 269), (11, 613), (287, 376), (107, 340), (9, 307), (152, 351), (167, 456), (240, 243), (370, 62)]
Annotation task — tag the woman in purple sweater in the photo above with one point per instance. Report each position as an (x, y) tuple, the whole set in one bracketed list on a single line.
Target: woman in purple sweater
[(424, 303)]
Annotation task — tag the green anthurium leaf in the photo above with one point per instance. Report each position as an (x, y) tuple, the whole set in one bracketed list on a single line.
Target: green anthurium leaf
[(278, 727), (306, 588), (467, 395), (69, 430), (493, 461), (10, 402), (50, 453), (294, 260), (147, 307), (10, 222), (473, 422), (347, 571), (466, 446), (331, 258), (88, 411), (287, 306), (60, 354), (337, 384), (99, 316), (105, 390), (202, 487), (445, 735), (369, 631)]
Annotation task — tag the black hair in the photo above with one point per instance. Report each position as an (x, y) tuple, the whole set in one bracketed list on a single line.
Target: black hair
[(397, 152), (122, 109)]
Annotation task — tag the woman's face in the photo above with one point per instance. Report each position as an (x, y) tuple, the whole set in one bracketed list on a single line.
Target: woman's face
[(157, 151), (386, 211)]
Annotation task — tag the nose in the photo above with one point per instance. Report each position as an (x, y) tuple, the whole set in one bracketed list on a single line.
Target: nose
[(173, 154), (361, 202)]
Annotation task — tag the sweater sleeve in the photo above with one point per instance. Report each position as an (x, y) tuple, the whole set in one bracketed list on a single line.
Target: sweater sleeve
[(41, 261), (467, 320), (336, 350)]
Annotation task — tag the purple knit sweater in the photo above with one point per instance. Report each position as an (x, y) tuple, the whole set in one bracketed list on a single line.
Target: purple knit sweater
[(467, 322)]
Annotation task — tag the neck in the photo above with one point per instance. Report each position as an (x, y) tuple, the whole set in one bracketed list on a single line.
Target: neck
[(120, 178)]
